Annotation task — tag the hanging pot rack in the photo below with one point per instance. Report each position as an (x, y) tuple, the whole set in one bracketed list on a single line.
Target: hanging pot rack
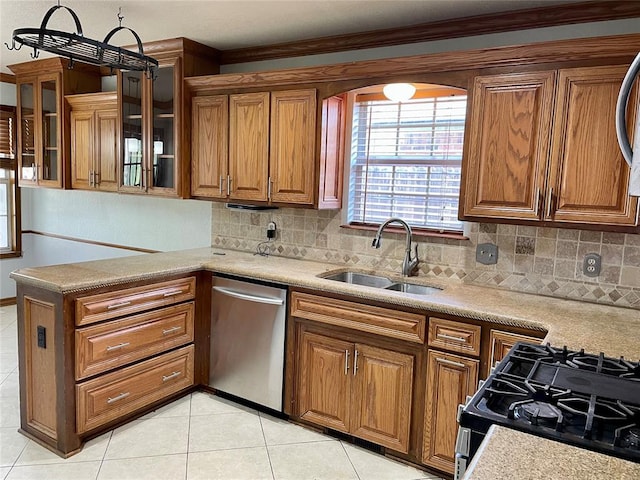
[(77, 47)]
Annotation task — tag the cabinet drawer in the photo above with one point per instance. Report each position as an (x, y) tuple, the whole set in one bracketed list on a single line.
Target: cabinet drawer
[(104, 306), (113, 395), (357, 316), (454, 336), (116, 343)]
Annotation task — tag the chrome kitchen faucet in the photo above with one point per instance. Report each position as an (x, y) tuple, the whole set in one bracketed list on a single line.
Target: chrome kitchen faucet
[(409, 265)]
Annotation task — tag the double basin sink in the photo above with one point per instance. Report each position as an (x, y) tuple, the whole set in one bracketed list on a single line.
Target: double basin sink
[(377, 281)]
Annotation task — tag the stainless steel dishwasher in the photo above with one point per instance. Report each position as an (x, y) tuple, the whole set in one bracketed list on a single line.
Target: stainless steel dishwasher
[(247, 341)]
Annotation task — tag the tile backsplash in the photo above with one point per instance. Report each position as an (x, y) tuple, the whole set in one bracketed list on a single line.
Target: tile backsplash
[(544, 261)]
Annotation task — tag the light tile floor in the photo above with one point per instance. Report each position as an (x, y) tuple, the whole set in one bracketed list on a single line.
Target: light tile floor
[(198, 437)]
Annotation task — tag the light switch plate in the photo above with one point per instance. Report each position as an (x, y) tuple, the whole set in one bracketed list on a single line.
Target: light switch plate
[(487, 254)]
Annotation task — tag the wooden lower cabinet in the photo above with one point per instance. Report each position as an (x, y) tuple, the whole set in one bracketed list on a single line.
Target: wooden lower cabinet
[(383, 381), (501, 342), (91, 360), (324, 388), (450, 378), (355, 388), (38, 372)]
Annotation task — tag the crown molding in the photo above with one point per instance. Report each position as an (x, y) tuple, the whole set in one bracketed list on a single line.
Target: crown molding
[(462, 27)]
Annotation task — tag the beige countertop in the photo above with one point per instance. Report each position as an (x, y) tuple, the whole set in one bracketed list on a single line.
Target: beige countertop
[(507, 454), (596, 328)]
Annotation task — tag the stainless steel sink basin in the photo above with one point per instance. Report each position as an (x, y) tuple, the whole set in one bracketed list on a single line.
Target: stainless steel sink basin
[(413, 288), (363, 279), (378, 281)]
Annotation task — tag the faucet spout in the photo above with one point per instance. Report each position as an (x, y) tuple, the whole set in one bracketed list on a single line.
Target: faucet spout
[(409, 265)]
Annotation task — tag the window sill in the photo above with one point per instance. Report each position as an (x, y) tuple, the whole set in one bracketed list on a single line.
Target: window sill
[(4, 255), (417, 232)]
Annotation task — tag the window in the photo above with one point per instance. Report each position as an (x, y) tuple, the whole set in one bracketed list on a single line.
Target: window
[(406, 159), (9, 215)]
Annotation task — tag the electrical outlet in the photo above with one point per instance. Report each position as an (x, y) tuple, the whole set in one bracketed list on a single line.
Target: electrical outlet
[(592, 264), (42, 336), (487, 253), (271, 230)]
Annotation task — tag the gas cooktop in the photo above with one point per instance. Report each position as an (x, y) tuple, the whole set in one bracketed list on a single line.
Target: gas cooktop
[(587, 400)]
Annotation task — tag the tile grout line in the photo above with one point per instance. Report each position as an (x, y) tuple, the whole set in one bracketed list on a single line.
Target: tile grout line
[(350, 461), (266, 447), (104, 454), (186, 463)]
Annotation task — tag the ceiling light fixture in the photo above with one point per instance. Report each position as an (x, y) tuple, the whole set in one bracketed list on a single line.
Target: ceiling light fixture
[(399, 92), (75, 46)]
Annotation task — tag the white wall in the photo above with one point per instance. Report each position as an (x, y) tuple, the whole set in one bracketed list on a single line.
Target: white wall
[(128, 220), (8, 94), (39, 251)]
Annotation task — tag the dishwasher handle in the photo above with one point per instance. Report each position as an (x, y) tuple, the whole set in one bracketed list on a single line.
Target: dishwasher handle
[(249, 297)]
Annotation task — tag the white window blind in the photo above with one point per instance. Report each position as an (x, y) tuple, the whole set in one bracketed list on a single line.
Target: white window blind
[(406, 160)]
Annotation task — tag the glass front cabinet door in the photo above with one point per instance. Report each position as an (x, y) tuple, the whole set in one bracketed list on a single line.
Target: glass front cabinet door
[(149, 125), (39, 135)]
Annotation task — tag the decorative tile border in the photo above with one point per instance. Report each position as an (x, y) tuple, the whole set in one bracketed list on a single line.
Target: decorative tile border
[(543, 261)]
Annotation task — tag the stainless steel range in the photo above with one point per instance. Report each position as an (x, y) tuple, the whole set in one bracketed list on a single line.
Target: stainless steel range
[(587, 400)]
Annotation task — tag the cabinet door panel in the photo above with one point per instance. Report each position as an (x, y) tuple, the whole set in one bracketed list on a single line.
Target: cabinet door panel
[(249, 146), (324, 380), (210, 149), (332, 152), (27, 135), (82, 131), (50, 170), (107, 160), (293, 133), (450, 379), (509, 144), (588, 172), (383, 391), (501, 342)]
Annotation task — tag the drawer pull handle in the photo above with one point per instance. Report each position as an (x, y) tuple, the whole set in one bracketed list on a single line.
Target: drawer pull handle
[(118, 397), (451, 362), (170, 330), (118, 305), (173, 293), (166, 378), (111, 348), (450, 337)]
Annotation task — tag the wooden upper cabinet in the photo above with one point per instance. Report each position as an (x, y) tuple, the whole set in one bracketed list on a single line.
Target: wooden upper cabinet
[(267, 147), (155, 130), (94, 141), (382, 396), (248, 146), (332, 152), (588, 174), (82, 145), (542, 147), (292, 149), (107, 146), (508, 145), (43, 133), (210, 146)]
